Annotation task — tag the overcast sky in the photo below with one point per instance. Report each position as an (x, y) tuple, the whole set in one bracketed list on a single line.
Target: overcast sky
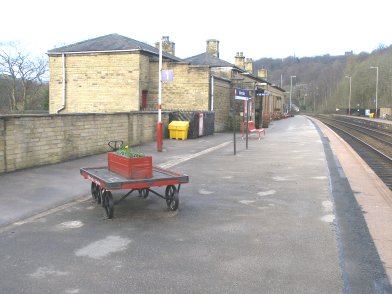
[(258, 28)]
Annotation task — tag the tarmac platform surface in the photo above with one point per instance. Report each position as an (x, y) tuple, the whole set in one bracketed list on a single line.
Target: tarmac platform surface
[(278, 217)]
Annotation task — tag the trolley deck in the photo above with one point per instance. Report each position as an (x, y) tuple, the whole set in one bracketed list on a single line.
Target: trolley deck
[(103, 181)]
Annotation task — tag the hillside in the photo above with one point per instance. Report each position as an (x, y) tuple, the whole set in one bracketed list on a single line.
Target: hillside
[(321, 85)]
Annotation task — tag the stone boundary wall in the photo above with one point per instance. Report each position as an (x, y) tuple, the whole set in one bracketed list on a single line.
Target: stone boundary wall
[(33, 140)]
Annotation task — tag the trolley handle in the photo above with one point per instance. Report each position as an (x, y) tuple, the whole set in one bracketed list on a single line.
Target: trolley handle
[(115, 144)]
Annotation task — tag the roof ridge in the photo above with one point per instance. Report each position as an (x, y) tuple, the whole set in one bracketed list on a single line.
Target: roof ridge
[(84, 41), (110, 42), (208, 59)]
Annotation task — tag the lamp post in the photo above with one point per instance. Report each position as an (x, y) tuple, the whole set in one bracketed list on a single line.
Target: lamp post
[(376, 67), (291, 89), (349, 98), (159, 123)]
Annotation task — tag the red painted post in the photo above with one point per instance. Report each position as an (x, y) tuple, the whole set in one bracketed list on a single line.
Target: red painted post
[(159, 136)]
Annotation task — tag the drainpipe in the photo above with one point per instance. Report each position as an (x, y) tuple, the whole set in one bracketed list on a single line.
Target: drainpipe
[(212, 93), (63, 92)]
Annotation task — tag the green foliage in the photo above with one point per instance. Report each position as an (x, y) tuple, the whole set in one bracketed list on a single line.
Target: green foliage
[(128, 152), (44, 98)]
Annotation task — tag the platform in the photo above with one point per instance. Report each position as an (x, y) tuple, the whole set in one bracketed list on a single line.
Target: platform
[(280, 216)]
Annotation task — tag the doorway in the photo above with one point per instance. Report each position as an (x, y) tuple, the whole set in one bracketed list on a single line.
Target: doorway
[(144, 100)]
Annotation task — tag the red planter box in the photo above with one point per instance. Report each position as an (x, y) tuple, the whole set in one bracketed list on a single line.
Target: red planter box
[(131, 168)]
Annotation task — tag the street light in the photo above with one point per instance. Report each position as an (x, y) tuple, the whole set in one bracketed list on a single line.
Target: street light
[(349, 98), (291, 89), (376, 67), (159, 123)]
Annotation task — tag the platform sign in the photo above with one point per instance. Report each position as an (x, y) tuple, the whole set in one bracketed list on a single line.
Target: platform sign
[(259, 93), (167, 75), (240, 94)]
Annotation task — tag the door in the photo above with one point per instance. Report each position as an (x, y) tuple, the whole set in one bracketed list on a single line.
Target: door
[(259, 108)]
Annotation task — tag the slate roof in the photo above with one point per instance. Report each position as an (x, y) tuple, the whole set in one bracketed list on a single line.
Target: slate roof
[(208, 59), (112, 42), (213, 61)]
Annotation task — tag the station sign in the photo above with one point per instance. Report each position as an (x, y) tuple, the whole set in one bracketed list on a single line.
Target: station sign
[(259, 93), (241, 94), (266, 93), (262, 93)]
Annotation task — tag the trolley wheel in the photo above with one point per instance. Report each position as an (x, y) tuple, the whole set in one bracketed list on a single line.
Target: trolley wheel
[(100, 192), (172, 200), (144, 193), (94, 191), (107, 203)]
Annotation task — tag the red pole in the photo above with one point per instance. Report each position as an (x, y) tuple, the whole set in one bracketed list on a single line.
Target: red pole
[(159, 136)]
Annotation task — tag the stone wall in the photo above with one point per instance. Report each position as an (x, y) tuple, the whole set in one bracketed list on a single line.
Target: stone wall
[(152, 96), (222, 97), (97, 82), (2, 145), (34, 140), (189, 89)]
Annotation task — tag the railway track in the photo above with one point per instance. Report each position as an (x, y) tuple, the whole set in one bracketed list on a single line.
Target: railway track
[(373, 144)]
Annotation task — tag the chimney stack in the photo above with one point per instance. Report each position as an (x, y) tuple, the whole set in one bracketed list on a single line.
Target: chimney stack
[(240, 60), (213, 47), (249, 65), (262, 73), (167, 45)]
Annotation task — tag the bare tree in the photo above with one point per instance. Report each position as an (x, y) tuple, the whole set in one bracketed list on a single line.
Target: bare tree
[(22, 76)]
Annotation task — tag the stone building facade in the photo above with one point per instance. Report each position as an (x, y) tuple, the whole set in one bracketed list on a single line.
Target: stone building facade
[(106, 74), (114, 73), (97, 82)]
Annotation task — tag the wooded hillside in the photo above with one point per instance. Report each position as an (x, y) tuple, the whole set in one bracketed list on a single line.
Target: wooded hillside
[(322, 83)]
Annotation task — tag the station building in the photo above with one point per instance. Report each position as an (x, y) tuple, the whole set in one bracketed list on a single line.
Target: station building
[(114, 73)]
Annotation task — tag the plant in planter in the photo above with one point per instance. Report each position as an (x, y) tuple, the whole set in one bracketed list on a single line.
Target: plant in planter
[(130, 164), (128, 152)]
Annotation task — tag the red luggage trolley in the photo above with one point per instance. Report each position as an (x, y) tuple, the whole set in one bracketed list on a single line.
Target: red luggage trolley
[(104, 181)]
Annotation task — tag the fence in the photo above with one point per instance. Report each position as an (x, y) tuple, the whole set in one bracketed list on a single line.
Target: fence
[(193, 118)]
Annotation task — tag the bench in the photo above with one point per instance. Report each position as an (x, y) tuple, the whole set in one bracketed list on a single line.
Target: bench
[(252, 129)]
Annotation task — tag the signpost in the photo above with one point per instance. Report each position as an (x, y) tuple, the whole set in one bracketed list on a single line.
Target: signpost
[(163, 76), (241, 94)]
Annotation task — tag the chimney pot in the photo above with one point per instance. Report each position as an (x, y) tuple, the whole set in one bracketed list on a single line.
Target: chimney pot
[(167, 46), (239, 60)]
